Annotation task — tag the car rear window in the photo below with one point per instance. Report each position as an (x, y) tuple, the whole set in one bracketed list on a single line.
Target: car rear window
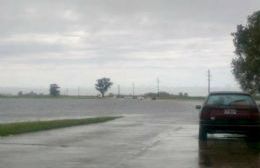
[(230, 100)]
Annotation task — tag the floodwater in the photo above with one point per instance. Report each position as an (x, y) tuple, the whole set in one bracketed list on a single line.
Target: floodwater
[(229, 151), (20, 109), (152, 134)]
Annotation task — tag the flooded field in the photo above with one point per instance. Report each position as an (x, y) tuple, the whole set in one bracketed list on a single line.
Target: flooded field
[(35, 109)]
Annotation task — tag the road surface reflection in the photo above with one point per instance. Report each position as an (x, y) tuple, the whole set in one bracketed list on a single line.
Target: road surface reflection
[(229, 151)]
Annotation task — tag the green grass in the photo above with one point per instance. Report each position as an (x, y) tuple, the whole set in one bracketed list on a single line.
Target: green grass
[(34, 126)]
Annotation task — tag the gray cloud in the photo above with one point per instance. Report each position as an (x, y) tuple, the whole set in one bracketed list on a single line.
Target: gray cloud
[(117, 34)]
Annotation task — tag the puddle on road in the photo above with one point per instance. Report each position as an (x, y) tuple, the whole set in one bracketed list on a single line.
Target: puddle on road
[(229, 151)]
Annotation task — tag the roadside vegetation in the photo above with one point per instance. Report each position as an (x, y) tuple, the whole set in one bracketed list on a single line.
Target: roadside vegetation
[(34, 126), (247, 61)]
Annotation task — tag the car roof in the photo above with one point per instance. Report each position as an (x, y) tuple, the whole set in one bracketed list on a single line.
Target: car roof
[(229, 92)]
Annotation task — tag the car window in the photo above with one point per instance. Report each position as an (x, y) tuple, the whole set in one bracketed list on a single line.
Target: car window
[(230, 100)]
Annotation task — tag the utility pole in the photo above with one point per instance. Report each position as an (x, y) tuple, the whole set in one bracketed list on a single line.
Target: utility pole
[(78, 91), (133, 85), (118, 90), (158, 87), (209, 76), (67, 92)]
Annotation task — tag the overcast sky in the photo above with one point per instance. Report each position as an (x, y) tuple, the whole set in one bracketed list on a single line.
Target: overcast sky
[(72, 43)]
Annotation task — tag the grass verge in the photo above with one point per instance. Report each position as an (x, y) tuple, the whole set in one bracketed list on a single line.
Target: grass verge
[(34, 126)]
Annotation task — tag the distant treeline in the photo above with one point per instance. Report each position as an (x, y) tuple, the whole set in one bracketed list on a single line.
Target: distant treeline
[(166, 95), (149, 95)]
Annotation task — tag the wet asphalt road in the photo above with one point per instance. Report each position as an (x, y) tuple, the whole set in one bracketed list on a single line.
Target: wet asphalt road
[(165, 139)]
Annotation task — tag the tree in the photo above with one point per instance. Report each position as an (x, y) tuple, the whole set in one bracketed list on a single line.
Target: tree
[(103, 85), (181, 94), (54, 90), (246, 64), (20, 93), (185, 94)]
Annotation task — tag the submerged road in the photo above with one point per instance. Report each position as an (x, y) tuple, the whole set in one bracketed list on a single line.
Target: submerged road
[(134, 141)]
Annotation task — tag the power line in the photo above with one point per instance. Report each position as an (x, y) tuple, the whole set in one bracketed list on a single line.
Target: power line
[(67, 92), (118, 90), (133, 85), (158, 87)]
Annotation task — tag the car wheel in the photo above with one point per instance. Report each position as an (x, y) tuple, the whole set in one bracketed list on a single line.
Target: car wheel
[(202, 133)]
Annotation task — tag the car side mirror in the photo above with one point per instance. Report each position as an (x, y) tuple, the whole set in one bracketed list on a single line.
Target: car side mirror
[(198, 107)]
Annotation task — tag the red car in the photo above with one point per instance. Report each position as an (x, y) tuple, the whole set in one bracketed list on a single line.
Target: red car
[(229, 112)]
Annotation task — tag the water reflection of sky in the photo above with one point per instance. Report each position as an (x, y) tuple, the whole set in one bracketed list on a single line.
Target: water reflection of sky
[(229, 151)]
